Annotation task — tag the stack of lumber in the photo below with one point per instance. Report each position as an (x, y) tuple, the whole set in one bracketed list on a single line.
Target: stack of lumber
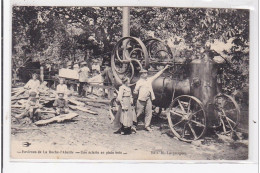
[(20, 96)]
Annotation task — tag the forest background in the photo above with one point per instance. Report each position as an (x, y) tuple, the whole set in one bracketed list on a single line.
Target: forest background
[(56, 35)]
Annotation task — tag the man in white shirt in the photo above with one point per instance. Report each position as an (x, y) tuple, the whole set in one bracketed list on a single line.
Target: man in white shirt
[(83, 78), (146, 95)]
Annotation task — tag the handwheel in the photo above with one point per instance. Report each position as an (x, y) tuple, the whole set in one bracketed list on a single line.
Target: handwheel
[(187, 118), (227, 112)]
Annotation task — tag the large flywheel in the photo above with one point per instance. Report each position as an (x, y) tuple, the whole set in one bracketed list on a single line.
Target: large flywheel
[(159, 53), (129, 56)]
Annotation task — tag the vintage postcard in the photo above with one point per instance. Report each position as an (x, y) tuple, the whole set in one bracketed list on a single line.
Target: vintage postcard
[(129, 83)]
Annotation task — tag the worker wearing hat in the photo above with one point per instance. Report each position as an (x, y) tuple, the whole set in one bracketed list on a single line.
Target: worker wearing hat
[(95, 65), (144, 91), (83, 78), (61, 104)]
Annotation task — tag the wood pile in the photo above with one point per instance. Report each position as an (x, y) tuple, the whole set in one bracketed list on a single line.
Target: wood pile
[(46, 97)]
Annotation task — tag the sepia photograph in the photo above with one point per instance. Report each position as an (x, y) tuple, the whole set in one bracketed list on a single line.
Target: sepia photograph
[(129, 83)]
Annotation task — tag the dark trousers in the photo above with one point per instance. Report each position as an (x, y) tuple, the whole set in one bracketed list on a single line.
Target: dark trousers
[(82, 91)]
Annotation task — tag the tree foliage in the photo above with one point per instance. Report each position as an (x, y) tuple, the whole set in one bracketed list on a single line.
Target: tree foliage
[(58, 34)]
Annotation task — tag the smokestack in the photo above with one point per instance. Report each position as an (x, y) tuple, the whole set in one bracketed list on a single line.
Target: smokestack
[(126, 22), (126, 29)]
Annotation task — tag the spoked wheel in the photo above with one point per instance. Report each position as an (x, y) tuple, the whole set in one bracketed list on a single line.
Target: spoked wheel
[(187, 118), (129, 56), (159, 53), (227, 111)]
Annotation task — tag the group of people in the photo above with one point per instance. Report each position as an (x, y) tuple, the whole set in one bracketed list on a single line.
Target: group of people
[(33, 106), (126, 119), (33, 87), (96, 78)]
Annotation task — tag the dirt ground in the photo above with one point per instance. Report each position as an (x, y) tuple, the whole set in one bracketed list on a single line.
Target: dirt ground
[(95, 131)]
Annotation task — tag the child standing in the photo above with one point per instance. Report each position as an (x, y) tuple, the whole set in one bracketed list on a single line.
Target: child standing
[(125, 111)]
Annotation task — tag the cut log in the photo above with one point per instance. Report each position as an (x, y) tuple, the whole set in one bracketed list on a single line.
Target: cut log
[(82, 109), (58, 119)]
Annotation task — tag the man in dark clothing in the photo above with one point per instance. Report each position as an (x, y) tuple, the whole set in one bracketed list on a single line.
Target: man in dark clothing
[(108, 77)]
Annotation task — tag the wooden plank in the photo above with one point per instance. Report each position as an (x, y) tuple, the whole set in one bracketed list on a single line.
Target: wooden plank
[(49, 112), (96, 105), (76, 102), (93, 100), (73, 107), (19, 93), (16, 89), (17, 106), (86, 110), (19, 98), (82, 109), (58, 119)]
